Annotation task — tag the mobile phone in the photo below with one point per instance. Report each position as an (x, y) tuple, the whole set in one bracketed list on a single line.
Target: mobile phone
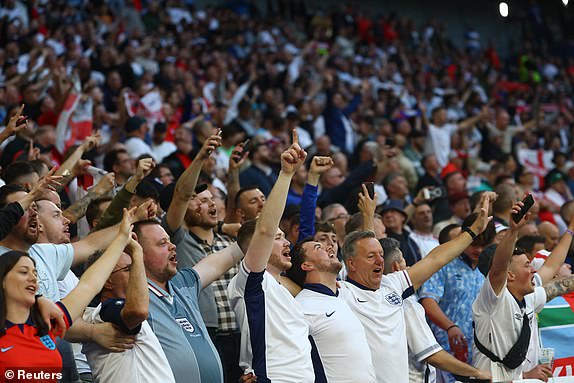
[(528, 201), (244, 149), (370, 189)]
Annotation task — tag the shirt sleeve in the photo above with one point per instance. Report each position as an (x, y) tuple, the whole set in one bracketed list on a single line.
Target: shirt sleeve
[(420, 338), (188, 277), (112, 312), (539, 296), (487, 299), (401, 282), (433, 287), (59, 258), (308, 205), (67, 317)]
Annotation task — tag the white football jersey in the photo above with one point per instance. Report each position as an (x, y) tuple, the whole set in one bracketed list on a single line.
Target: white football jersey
[(381, 313), (274, 333), (341, 352)]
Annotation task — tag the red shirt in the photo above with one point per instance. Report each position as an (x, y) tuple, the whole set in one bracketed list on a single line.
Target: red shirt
[(21, 347)]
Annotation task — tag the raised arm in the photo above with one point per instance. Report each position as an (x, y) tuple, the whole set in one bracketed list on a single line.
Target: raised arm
[(471, 121), (499, 268), (185, 186), (96, 275), (559, 287), (100, 239), (443, 254), (123, 198), (16, 123), (367, 207), (214, 265), (319, 165), (236, 159), (78, 209), (259, 250), (68, 166), (557, 257), (135, 309)]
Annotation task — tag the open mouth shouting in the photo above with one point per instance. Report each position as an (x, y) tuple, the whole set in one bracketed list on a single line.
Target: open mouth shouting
[(286, 253), (172, 258)]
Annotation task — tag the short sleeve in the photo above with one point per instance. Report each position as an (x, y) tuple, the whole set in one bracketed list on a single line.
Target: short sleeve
[(539, 300), (433, 287), (188, 278), (112, 312), (58, 258), (420, 339), (487, 299), (399, 281)]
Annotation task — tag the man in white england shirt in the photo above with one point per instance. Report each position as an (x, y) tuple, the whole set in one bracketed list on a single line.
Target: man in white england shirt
[(377, 300), (274, 334), (513, 290)]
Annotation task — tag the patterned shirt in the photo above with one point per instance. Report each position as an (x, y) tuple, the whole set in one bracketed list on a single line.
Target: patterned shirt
[(454, 288), (225, 314)]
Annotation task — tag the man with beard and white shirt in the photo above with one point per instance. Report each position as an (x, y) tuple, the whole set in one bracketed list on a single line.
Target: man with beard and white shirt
[(274, 334), (377, 300)]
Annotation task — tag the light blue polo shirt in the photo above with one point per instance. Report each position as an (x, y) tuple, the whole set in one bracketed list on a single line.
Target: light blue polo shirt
[(176, 320)]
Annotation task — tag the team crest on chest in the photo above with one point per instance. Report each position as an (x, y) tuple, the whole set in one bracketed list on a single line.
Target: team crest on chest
[(393, 298), (48, 342), (185, 324)]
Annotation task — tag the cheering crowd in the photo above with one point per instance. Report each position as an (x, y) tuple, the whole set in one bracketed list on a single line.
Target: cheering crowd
[(278, 194)]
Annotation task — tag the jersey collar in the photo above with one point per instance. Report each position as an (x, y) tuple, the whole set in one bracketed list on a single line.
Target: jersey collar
[(321, 289), (362, 287), (29, 322), (159, 292)]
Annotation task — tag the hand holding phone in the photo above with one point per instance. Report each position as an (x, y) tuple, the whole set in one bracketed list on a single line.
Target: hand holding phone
[(370, 189), (528, 201)]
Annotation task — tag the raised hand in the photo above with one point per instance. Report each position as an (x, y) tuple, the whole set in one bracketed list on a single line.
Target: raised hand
[(320, 165), (146, 210), (293, 157), (17, 122), (515, 226), (127, 223), (483, 218), (49, 182), (209, 146), (133, 248), (91, 142), (366, 204), (238, 156), (105, 185), (144, 167)]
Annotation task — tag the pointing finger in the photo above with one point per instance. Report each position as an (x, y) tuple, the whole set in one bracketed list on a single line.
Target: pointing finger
[(295, 138)]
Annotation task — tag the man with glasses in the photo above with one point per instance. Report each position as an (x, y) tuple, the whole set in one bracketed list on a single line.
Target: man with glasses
[(337, 216), (124, 302)]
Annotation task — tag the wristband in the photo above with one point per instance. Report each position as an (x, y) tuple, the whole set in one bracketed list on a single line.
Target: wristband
[(470, 232), (219, 227), (570, 232), (451, 327)]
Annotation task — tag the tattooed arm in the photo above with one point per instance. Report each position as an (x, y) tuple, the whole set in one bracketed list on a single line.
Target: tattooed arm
[(78, 209), (558, 287)]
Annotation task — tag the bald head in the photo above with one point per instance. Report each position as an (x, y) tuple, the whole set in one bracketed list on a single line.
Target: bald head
[(550, 233)]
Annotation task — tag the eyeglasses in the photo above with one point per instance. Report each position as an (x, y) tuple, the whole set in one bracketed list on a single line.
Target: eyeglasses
[(126, 269), (340, 216)]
